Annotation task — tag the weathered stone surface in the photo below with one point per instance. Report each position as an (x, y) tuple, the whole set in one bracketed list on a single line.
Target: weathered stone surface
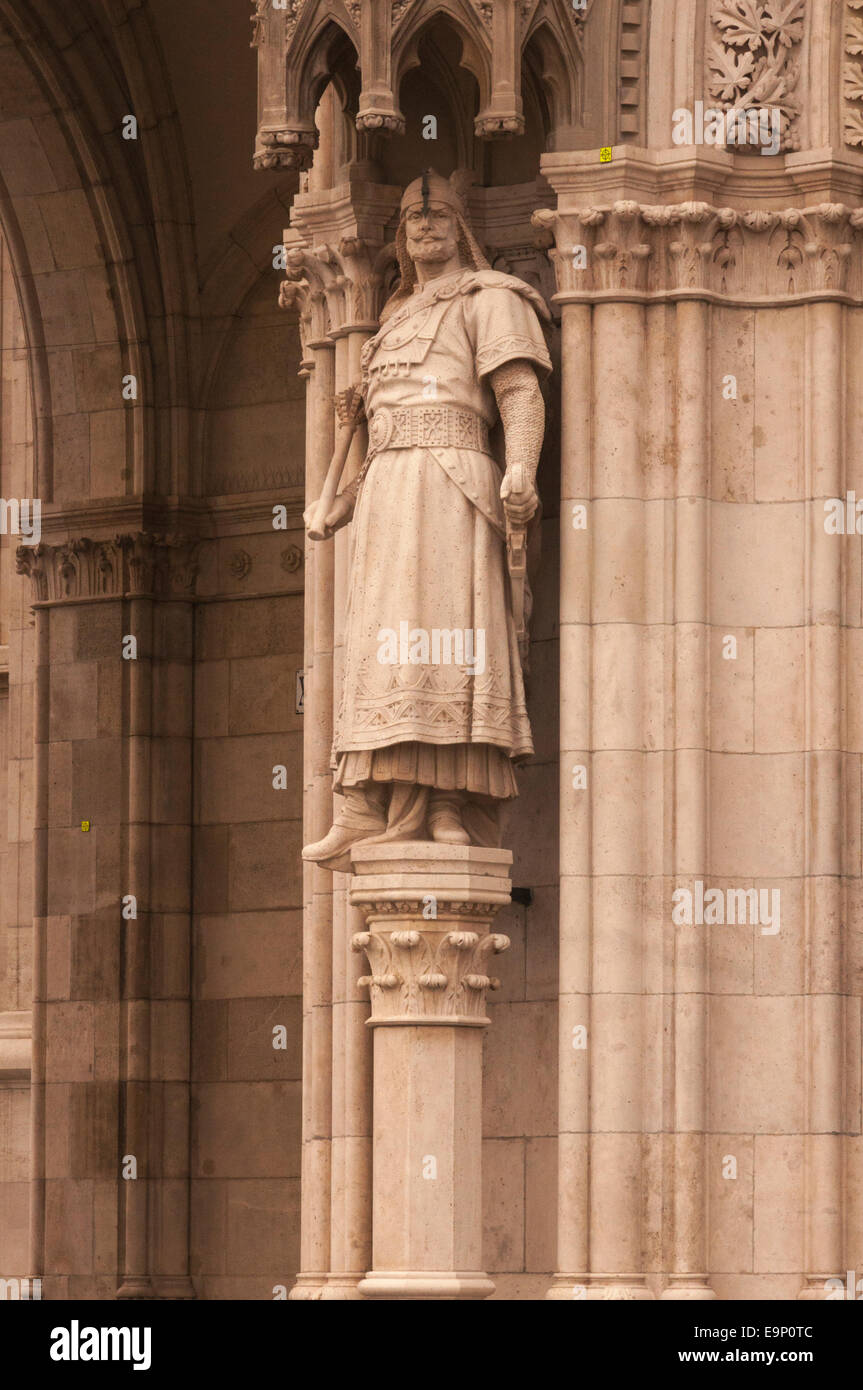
[(666, 1107)]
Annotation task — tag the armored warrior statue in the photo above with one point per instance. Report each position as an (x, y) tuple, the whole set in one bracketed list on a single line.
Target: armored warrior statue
[(432, 715)]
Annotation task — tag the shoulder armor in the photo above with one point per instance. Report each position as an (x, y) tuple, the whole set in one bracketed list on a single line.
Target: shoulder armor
[(497, 280)]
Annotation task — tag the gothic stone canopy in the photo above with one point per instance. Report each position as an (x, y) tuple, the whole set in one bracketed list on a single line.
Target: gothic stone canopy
[(299, 46)]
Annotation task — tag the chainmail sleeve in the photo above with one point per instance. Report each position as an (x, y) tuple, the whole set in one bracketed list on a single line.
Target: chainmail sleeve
[(522, 412)]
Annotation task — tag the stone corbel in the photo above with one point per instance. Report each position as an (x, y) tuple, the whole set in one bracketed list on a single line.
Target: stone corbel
[(288, 147)]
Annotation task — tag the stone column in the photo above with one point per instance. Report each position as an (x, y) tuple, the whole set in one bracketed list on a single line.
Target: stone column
[(351, 1146), (618, 792), (339, 288), (603, 769), (687, 1245), (428, 910), (575, 882), (156, 950), (824, 1006), (38, 1097), (352, 303), (315, 1188)]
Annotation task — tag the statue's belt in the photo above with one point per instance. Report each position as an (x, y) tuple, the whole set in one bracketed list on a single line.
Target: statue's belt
[(441, 429), (427, 427)]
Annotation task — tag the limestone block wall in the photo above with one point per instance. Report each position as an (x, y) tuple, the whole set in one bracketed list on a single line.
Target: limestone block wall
[(246, 949), (248, 970), (255, 420)]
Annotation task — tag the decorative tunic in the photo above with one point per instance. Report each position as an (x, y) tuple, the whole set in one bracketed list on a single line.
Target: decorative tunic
[(431, 656)]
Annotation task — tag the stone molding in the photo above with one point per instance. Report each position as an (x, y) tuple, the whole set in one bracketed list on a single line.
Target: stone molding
[(157, 565), (694, 247)]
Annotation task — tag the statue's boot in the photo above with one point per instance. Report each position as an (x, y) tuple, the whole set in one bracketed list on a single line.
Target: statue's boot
[(445, 819), (360, 817), (406, 815)]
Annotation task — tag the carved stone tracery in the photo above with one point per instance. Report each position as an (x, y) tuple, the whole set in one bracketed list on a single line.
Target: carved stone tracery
[(852, 72), (754, 59)]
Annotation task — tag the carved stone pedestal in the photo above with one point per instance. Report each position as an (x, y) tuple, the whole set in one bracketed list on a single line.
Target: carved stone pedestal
[(428, 909)]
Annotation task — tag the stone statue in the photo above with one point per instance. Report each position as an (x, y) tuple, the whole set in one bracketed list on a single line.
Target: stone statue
[(433, 714)]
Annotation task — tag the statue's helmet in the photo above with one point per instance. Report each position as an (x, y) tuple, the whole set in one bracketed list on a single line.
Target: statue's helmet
[(430, 187)]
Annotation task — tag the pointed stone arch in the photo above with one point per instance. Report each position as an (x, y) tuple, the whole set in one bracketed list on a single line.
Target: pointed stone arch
[(475, 56), (386, 38), (98, 230)]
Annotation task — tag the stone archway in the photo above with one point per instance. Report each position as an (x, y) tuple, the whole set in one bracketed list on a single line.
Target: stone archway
[(94, 226)]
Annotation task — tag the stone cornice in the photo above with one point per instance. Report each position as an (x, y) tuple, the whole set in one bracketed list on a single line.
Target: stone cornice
[(631, 249), (143, 564), (700, 173), (111, 515), (240, 514), (228, 514)]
